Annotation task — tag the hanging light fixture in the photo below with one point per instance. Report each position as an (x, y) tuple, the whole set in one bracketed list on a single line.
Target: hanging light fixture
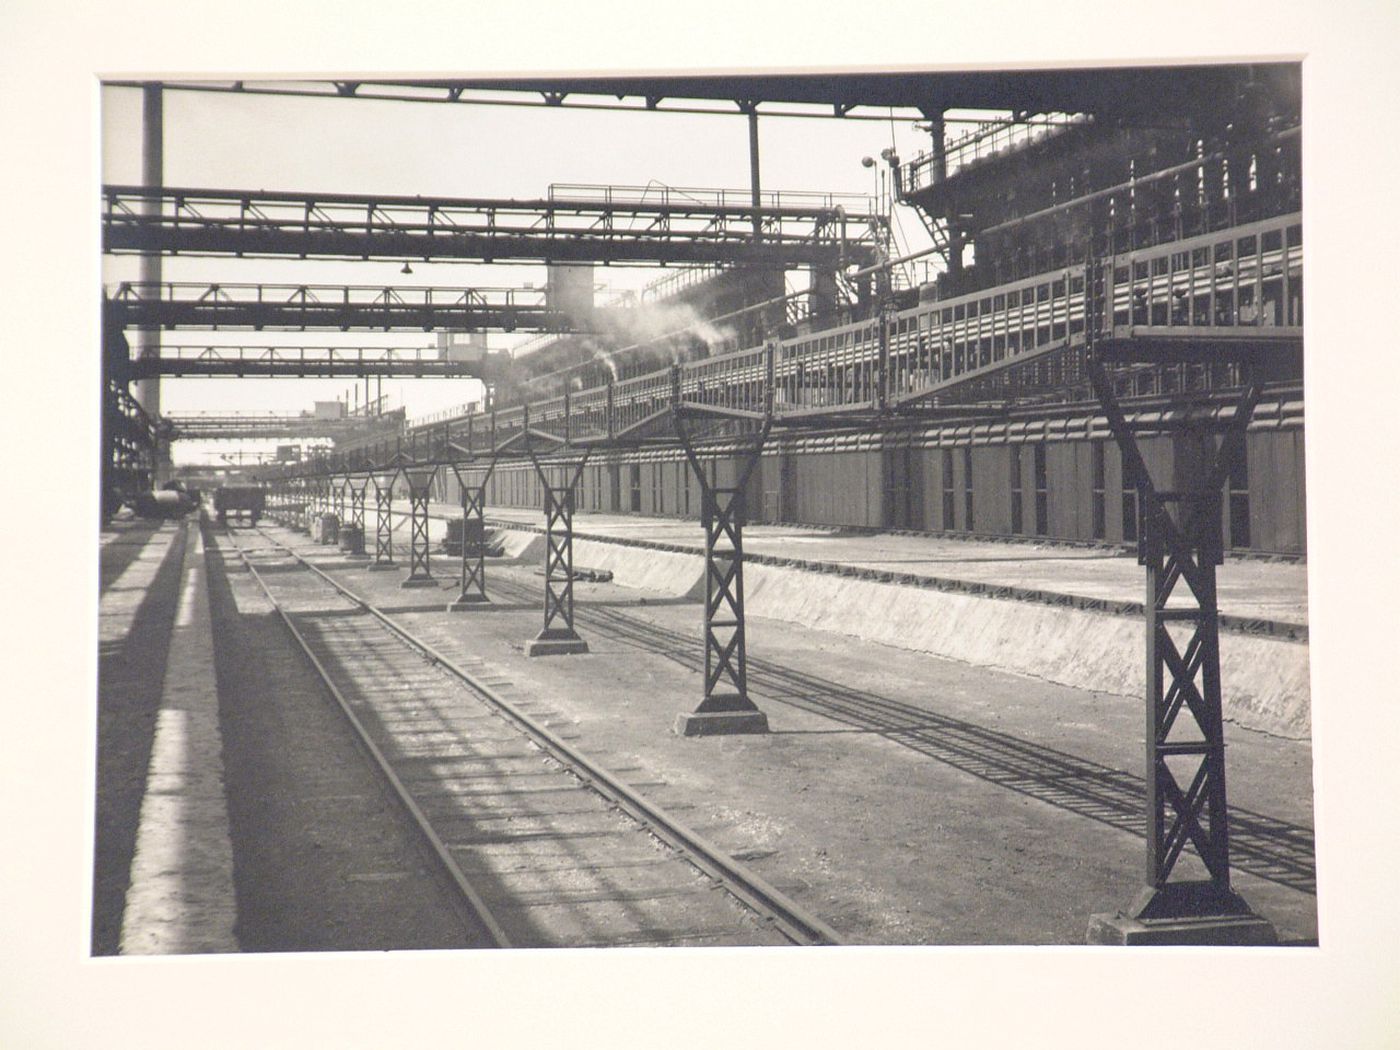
[(406, 268)]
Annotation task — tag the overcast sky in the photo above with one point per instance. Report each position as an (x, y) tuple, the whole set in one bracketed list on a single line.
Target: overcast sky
[(226, 141)]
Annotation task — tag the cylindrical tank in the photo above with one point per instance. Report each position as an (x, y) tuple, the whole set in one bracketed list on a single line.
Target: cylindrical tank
[(163, 503)]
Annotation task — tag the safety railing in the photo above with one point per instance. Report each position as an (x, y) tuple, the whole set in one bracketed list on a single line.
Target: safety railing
[(1244, 284)]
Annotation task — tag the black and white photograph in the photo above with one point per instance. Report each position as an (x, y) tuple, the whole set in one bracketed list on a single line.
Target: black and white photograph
[(574, 525)]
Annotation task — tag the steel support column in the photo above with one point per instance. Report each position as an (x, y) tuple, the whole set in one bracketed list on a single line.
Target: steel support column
[(1180, 543), (331, 494), (420, 487), (472, 594), (357, 486), (383, 521), (153, 177), (558, 636), (725, 706)]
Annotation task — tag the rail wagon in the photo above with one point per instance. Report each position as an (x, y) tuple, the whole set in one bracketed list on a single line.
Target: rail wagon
[(241, 501)]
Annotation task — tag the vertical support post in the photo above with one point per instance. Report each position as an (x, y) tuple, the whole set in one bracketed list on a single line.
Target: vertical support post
[(357, 486), (558, 636), (1185, 741), (472, 594), (420, 487), (152, 178), (383, 521), (725, 706), (880, 398), (755, 190)]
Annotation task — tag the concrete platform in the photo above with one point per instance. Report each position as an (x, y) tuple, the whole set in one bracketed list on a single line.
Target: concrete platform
[(234, 811), (180, 899)]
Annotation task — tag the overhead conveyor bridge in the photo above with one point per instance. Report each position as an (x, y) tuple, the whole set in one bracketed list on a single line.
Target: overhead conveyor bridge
[(303, 307), (590, 224), (302, 362), (225, 426)]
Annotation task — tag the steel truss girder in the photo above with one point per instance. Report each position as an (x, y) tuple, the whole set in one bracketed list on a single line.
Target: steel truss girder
[(337, 307), (1184, 719), (725, 705), (234, 222), (345, 366)]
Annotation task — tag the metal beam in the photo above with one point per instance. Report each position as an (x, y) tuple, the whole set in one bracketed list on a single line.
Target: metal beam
[(1142, 91)]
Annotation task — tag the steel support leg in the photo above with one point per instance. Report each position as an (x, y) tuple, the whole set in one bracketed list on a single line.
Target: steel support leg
[(725, 706), (357, 516), (383, 526), (420, 486), (472, 594), (558, 636), (1185, 744), (333, 495)]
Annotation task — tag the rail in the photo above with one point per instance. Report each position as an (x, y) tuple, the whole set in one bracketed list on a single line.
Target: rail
[(786, 916), (420, 820)]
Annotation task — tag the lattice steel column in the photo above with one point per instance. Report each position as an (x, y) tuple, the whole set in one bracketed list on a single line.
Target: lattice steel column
[(1185, 743), (357, 486), (329, 535), (383, 521), (420, 486), (725, 706), (472, 594), (303, 505), (558, 636)]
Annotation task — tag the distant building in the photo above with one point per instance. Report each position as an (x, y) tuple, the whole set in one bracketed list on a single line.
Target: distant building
[(461, 346)]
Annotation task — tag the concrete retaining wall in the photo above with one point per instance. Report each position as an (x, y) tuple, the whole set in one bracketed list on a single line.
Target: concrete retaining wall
[(1266, 679)]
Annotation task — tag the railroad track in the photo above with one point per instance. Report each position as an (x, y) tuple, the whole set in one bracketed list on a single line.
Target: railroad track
[(1273, 849), (546, 846)]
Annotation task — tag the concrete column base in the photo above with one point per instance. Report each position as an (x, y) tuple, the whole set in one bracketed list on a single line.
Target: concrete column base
[(720, 723), (383, 566), (1183, 913), (722, 714), (465, 602), (420, 581), (555, 642)]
